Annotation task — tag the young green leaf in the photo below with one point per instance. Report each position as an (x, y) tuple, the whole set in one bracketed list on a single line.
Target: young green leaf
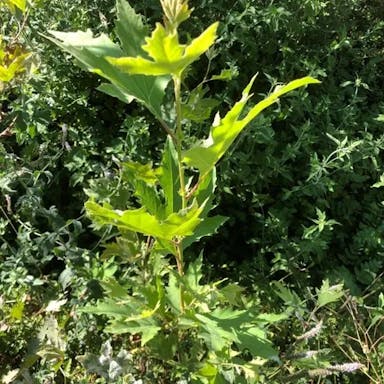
[(144, 178), (175, 12), (169, 57), (8, 72), (178, 224), (225, 131), (13, 4)]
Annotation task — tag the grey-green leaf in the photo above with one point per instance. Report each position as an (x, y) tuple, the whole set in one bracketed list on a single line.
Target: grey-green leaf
[(91, 52)]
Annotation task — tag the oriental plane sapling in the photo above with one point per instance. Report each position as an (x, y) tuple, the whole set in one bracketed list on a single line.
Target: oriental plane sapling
[(203, 327)]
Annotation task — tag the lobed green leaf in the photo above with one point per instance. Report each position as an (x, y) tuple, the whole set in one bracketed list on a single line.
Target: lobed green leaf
[(225, 131), (178, 224), (169, 57), (91, 52)]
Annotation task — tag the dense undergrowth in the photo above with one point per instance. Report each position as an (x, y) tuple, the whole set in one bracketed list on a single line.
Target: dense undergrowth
[(301, 187)]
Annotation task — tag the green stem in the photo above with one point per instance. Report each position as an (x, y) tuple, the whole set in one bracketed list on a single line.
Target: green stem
[(180, 269), (178, 144), (179, 139), (167, 129)]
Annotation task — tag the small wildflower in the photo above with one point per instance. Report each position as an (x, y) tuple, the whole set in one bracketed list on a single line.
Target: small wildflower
[(319, 372), (347, 367), (312, 332)]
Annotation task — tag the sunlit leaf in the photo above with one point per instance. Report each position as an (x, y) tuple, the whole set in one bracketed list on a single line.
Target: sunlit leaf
[(8, 72), (177, 224), (175, 12), (225, 131), (380, 183), (167, 54), (17, 310), (270, 318), (20, 4), (226, 74), (10, 377), (208, 370)]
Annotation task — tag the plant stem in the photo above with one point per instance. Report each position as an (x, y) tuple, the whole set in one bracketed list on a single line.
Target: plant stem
[(167, 129), (179, 138), (180, 269), (178, 144)]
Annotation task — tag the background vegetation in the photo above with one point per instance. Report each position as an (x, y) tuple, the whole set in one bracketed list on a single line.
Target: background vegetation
[(302, 188)]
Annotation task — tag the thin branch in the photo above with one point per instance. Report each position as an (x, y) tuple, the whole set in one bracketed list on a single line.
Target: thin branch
[(167, 129)]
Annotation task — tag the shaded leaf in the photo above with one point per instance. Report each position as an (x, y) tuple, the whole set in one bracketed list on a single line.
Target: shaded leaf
[(254, 340), (329, 294), (169, 178), (91, 52), (114, 91), (110, 308), (147, 331), (194, 274), (129, 28), (207, 227)]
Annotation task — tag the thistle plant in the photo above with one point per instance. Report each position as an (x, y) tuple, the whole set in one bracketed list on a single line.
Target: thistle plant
[(200, 331)]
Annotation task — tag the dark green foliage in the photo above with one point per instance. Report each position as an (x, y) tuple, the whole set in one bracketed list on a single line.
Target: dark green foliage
[(319, 152)]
